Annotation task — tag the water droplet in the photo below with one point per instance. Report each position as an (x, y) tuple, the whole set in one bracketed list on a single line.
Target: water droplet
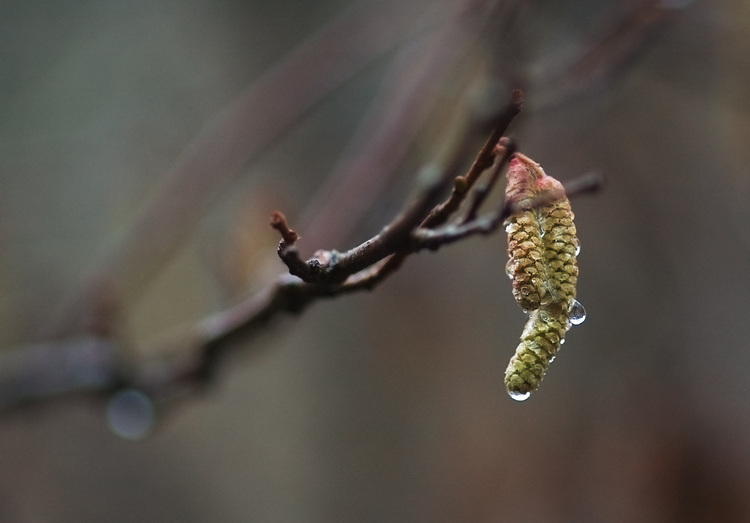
[(562, 342), (576, 314), (519, 396), (509, 267), (130, 414), (578, 249)]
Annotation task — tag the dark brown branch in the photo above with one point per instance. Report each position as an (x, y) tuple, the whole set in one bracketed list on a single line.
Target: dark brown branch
[(333, 267), (278, 222), (330, 274), (364, 267)]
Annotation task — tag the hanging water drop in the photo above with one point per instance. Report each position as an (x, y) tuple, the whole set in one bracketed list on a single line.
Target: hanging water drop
[(131, 414), (577, 313), (578, 249), (509, 268), (519, 396)]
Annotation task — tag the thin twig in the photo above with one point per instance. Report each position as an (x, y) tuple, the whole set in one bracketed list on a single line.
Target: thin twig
[(278, 222), (504, 149), (435, 238), (483, 161)]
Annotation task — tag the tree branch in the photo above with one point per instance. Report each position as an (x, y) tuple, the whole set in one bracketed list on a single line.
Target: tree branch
[(433, 239), (200, 347)]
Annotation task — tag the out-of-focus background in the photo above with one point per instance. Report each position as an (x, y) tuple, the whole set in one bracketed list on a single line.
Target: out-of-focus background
[(385, 406)]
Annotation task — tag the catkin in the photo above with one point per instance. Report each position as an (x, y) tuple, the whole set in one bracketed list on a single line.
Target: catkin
[(542, 250), (560, 252), (540, 342)]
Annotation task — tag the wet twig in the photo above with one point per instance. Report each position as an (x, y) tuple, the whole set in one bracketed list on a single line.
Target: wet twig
[(432, 239), (327, 274)]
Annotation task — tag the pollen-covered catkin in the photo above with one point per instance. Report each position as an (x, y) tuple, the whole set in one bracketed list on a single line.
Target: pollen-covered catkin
[(540, 342), (542, 250), (526, 260), (542, 242), (560, 252)]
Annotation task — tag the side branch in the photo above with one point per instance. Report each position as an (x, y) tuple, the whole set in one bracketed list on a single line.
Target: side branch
[(483, 161), (433, 239)]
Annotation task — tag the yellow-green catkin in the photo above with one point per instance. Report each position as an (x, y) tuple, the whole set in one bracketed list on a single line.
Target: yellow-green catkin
[(542, 250), (560, 252), (540, 342)]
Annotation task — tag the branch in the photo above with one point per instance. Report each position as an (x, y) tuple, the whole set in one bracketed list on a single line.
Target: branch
[(254, 120), (199, 349), (332, 267), (484, 160), (504, 150), (433, 239)]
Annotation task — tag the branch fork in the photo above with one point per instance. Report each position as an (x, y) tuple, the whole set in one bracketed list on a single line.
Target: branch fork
[(426, 223)]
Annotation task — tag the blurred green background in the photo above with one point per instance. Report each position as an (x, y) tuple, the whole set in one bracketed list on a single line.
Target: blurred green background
[(387, 406)]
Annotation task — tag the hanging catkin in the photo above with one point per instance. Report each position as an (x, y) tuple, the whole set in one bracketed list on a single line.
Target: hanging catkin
[(542, 247)]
